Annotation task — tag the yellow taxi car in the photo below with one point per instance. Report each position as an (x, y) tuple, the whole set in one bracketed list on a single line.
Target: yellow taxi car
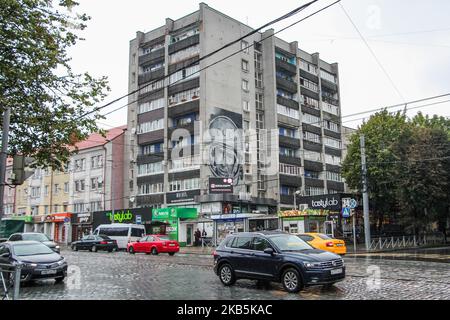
[(323, 242)]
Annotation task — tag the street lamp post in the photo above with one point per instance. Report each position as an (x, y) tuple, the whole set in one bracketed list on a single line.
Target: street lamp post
[(298, 192), (112, 190)]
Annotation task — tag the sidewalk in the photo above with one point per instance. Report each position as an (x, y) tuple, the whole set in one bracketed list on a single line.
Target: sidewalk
[(197, 250)]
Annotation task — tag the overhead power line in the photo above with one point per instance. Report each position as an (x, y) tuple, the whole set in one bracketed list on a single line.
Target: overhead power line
[(372, 52), (283, 17)]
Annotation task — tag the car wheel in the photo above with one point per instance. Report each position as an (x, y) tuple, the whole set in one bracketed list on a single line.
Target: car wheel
[(131, 250), (94, 248), (110, 250), (60, 279), (291, 280), (226, 275), (154, 251), (171, 253)]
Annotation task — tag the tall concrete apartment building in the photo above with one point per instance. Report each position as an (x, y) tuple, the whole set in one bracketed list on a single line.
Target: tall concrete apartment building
[(270, 85)]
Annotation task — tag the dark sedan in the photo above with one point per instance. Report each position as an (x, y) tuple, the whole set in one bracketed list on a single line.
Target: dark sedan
[(35, 236), (36, 259), (95, 243)]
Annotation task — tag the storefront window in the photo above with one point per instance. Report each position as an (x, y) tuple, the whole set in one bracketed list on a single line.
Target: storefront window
[(256, 225)]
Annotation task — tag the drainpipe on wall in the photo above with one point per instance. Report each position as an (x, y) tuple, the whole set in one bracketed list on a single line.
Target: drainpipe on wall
[(104, 178)]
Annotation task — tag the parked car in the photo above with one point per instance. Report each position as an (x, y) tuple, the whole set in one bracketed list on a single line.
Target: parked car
[(324, 242), (38, 260), (276, 256), (123, 233), (35, 236), (154, 244), (95, 243)]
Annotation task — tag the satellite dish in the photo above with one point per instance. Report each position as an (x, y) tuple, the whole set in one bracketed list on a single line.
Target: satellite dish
[(100, 179), (132, 199)]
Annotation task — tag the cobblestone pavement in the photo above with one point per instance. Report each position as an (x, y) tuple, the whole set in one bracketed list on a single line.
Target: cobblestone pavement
[(188, 277)]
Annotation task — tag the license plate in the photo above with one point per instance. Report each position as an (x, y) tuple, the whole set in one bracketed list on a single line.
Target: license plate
[(171, 244), (48, 272), (339, 245), (336, 271)]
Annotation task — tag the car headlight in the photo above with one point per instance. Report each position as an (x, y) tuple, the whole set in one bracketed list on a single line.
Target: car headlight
[(312, 265), (61, 262), (57, 247), (29, 265)]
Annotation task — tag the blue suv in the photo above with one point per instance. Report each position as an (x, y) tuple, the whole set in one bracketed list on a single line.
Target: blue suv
[(278, 257)]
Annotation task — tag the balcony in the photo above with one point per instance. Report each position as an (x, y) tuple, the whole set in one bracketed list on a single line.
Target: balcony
[(289, 142), (152, 56), (331, 100), (288, 102), (150, 76), (288, 180), (150, 158), (287, 85), (185, 43), (296, 161), (286, 199), (187, 107), (188, 126), (286, 66)]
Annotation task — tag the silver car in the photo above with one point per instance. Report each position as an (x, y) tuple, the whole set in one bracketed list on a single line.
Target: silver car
[(35, 236)]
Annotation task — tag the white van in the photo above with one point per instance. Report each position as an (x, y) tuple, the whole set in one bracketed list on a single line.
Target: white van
[(123, 233)]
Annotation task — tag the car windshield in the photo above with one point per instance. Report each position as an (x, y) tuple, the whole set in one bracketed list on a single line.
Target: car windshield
[(104, 237), (164, 237), (31, 249), (324, 236), (290, 243), (35, 237)]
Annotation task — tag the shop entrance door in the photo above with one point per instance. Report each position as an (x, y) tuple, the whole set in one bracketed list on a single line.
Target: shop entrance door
[(189, 234)]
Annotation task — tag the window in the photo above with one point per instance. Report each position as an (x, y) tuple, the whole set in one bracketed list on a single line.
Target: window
[(245, 105), (35, 192), (151, 126), (184, 54), (290, 169), (312, 137), (184, 120), (95, 206), (334, 176), (242, 243), (245, 47), (137, 232), (288, 132), (152, 48), (46, 190), (80, 185), (184, 96), (312, 174), (310, 102), (309, 84), (287, 152), (333, 143), (96, 184), (287, 190), (66, 187), (152, 67), (283, 57), (185, 163), (259, 80), (287, 95), (146, 189), (96, 162), (313, 156), (245, 86), (80, 164), (308, 67), (327, 76), (328, 107), (152, 148), (183, 185), (150, 168), (184, 35), (258, 61), (310, 119), (152, 86), (245, 65), (260, 244), (314, 191), (329, 125), (288, 112), (151, 105), (184, 74), (259, 99), (334, 160)]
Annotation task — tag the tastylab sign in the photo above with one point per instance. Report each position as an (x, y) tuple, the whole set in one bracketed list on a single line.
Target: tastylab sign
[(324, 203)]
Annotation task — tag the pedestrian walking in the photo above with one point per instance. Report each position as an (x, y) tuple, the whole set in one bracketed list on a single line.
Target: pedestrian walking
[(197, 236)]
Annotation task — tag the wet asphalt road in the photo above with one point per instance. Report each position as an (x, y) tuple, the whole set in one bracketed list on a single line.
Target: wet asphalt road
[(118, 275)]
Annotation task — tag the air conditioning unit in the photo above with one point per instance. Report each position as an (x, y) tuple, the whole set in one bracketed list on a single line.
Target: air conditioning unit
[(133, 130)]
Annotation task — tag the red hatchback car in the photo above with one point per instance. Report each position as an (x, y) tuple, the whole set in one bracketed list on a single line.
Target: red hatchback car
[(154, 244)]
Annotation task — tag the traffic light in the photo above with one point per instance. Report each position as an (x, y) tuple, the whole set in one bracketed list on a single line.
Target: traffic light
[(19, 174)]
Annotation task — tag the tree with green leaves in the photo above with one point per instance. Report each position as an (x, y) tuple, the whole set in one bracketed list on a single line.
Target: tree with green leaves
[(47, 98)]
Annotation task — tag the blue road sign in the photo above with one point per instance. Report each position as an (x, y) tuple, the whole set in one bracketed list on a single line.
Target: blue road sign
[(138, 219), (345, 212)]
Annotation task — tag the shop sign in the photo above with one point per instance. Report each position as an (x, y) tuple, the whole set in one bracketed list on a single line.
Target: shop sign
[(83, 218), (303, 213), (38, 219), (174, 213), (324, 203), (220, 185), (28, 219), (59, 217), (120, 216)]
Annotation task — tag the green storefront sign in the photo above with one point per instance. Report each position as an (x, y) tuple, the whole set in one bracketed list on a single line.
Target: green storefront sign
[(172, 217)]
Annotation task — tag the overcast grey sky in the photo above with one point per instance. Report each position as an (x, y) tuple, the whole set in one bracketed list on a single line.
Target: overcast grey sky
[(411, 39)]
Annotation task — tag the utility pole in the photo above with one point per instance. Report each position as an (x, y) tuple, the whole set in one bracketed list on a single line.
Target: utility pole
[(365, 192), (4, 155)]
